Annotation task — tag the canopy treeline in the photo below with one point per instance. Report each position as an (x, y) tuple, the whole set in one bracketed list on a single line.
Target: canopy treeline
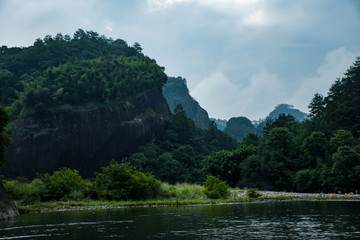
[(62, 72), (319, 154)]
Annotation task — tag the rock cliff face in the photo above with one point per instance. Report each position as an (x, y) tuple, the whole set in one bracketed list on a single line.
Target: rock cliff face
[(176, 92), (84, 139), (7, 208)]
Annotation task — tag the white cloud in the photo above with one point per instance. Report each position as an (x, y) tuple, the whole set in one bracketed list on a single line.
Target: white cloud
[(256, 18), (224, 99), (334, 66), (108, 25)]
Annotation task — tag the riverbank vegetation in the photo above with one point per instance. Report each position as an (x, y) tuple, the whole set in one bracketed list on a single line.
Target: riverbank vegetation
[(121, 185)]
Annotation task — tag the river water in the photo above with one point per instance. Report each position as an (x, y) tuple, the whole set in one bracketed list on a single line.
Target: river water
[(259, 220)]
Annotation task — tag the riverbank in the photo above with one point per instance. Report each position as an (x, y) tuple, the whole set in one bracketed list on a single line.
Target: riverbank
[(237, 197)]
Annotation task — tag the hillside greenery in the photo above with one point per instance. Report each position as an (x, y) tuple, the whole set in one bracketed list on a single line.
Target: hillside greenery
[(239, 128), (319, 154), (61, 73), (177, 155)]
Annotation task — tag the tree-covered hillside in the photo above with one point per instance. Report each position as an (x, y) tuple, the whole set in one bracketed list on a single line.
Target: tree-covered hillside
[(61, 72), (239, 128), (177, 156), (319, 154), (281, 109)]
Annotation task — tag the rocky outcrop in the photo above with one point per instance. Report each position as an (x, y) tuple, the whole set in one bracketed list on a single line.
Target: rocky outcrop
[(84, 139), (176, 92), (7, 207)]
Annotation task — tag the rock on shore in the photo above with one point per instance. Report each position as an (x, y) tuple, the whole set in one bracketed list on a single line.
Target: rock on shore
[(7, 207)]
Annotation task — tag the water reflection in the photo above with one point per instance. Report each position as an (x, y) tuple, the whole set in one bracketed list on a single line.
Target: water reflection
[(265, 220)]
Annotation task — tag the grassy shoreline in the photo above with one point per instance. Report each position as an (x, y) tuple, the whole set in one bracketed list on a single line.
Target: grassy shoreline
[(241, 198)]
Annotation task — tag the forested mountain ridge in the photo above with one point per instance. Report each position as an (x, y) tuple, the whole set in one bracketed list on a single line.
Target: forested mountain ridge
[(239, 128), (79, 102), (319, 154), (281, 109), (176, 92)]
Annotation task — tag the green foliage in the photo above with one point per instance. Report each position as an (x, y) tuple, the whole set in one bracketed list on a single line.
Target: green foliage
[(341, 138), (239, 127), (226, 164), (25, 192), (283, 121), (307, 180), (215, 188), (64, 183), (177, 155), (62, 73), (4, 139), (253, 193), (123, 182), (100, 81)]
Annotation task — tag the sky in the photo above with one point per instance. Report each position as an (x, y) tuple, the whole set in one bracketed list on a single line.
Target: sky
[(239, 57)]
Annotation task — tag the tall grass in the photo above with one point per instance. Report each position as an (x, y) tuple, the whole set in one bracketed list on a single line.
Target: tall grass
[(183, 191)]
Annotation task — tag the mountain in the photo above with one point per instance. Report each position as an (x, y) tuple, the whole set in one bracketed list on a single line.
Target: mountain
[(80, 102), (176, 92), (220, 123), (288, 109), (280, 109), (239, 128)]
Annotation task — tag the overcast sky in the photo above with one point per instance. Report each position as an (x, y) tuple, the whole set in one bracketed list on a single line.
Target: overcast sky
[(240, 57)]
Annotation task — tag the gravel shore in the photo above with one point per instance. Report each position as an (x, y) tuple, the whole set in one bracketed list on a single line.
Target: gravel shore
[(271, 194)]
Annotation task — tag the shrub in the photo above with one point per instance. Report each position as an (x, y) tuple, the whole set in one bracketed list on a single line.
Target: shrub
[(253, 193), (26, 192), (64, 184), (183, 191), (124, 182), (215, 188)]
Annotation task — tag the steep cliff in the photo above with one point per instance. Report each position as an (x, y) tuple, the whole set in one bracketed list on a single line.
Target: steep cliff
[(84, 139), (176, 92)]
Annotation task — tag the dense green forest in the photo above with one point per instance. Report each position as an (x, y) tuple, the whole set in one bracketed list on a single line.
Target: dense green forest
[(59, 73), (177, 155), (321, 153)]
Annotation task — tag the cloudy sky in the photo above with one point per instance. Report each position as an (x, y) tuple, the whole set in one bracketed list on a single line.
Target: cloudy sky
[(240, 57)]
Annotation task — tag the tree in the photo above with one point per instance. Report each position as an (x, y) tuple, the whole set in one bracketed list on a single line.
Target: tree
[(285, 121), (346, 166), (215, 188), (4, 139), (341, 138), (279, 154), (316, 106), (226, 164), (123, 182), (314, 147)]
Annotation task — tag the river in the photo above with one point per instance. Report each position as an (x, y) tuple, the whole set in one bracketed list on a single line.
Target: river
[(257, 220)]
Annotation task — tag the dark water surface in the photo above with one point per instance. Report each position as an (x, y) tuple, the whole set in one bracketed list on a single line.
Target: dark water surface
[(262, 220)]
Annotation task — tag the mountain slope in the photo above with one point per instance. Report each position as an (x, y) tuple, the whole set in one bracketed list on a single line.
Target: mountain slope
[(281, 109), (176, 92), (91, 106), (239, 128)]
